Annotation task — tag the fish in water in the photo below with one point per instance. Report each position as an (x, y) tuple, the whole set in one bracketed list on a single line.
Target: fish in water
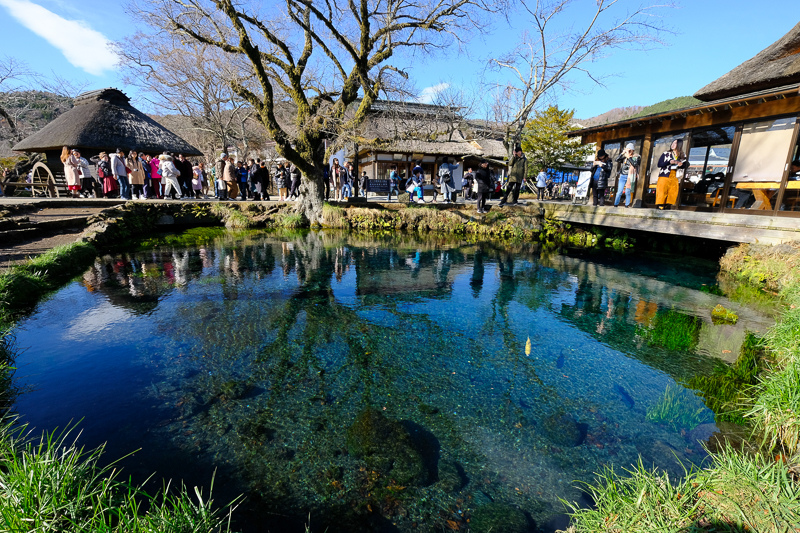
[(560, 361), (623, 394), (528, 347)]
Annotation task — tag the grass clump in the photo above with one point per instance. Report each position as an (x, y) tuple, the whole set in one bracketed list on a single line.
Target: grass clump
[(673, 331), (737, 492), (23, 285), (679, 409), (293, 221), (50, 483), (231, 216), (776, 410)]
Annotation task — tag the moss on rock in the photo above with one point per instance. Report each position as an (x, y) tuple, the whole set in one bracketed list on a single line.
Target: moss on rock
[(387, 447)]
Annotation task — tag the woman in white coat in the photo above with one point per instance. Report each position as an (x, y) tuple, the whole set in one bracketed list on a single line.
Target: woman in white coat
[(71, 165), (169, 175)]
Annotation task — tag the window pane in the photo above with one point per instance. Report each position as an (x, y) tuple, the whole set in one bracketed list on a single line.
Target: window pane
[(708, 163), (760, 163)]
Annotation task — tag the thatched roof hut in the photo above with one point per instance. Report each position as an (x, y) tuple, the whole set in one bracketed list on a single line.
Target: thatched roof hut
[(776, 66), (104, 120)]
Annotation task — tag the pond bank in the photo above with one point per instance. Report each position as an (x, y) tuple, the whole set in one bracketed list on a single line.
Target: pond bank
[(743, 489), (731, 473)]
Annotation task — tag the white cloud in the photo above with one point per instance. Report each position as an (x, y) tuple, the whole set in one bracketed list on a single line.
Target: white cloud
[(427, 95), (85, 48)]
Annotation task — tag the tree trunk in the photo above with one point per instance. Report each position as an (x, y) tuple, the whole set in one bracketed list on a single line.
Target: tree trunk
[(312, 196)]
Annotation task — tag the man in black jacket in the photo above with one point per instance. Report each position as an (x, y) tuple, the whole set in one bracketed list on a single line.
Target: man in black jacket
[(185, 179)]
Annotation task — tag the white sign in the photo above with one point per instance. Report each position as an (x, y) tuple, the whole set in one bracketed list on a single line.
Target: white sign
[(582, 189)]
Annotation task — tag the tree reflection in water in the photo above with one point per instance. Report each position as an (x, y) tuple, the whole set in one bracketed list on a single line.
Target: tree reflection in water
[(270, 346)]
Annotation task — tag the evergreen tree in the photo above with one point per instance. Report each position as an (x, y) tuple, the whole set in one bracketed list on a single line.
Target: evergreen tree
[(545, 141)]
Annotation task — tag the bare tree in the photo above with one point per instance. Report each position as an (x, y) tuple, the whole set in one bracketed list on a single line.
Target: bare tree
[(546, 54), (12, 75), (329, 59), (191, 79)]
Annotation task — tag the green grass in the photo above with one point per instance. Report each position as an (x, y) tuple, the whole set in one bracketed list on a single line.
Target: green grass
[(728, 390), (680, 409), (776, 410), (737, 492), (50, 483), (23, 285)]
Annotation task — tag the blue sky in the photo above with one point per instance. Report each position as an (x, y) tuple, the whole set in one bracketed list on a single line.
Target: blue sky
[(713, 37)]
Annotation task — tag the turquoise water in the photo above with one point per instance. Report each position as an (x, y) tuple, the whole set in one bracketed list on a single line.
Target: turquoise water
[(377, 385)]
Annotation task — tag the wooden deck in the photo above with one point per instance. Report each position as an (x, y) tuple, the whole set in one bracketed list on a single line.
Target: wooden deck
[(717, 226)]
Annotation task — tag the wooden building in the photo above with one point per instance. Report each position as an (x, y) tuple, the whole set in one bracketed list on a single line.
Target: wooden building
[(741, 141), (404, 133)]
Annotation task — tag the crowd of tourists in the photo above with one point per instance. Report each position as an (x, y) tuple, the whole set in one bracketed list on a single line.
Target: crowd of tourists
[(142, 176)]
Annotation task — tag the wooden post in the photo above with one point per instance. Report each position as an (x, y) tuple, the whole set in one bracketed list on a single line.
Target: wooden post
[(644, 168)]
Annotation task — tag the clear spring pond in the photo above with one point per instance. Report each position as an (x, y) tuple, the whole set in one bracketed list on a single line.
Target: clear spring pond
[(388, 384)]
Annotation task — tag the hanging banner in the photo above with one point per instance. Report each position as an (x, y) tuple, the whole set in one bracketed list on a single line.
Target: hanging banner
[(584, 181)]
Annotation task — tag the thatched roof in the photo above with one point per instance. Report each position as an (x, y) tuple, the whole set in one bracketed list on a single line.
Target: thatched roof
[(101, 121), (776, 66)]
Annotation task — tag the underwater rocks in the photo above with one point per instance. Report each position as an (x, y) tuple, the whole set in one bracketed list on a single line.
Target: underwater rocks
[(452, 477), (498, 517), (563, 430), (387, 447)]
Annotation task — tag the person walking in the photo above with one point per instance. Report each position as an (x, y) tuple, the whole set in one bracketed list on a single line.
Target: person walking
[(135, 174), (466, 185), (71, 170), (294, 176), (231, 178), (483, 178), (394, 184), (446, 182), (155, 177), (121, 174), (88, 189), (517, 171), (336, 179), (170, 174), (602, 171), (280, 181), (629, 162), (104, 172), (541, 184), (345, 177)]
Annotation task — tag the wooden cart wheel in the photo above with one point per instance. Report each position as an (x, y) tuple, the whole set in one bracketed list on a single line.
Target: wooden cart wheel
[(43, 181)]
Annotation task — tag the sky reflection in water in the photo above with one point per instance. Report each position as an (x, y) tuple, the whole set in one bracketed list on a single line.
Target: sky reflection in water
[(254, 355)]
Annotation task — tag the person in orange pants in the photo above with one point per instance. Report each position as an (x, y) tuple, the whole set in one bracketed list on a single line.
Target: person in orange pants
[(673, 164)]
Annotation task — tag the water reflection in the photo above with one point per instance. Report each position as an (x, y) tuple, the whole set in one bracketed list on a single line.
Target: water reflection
[(381, 385)]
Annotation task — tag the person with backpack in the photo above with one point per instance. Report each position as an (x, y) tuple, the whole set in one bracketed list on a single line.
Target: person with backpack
[(518, 170), (106, 176), (466, 185), (294, 176), (170, 173), (446, 182)]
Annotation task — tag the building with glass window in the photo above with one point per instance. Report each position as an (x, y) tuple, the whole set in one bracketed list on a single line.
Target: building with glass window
[(742, 141)]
